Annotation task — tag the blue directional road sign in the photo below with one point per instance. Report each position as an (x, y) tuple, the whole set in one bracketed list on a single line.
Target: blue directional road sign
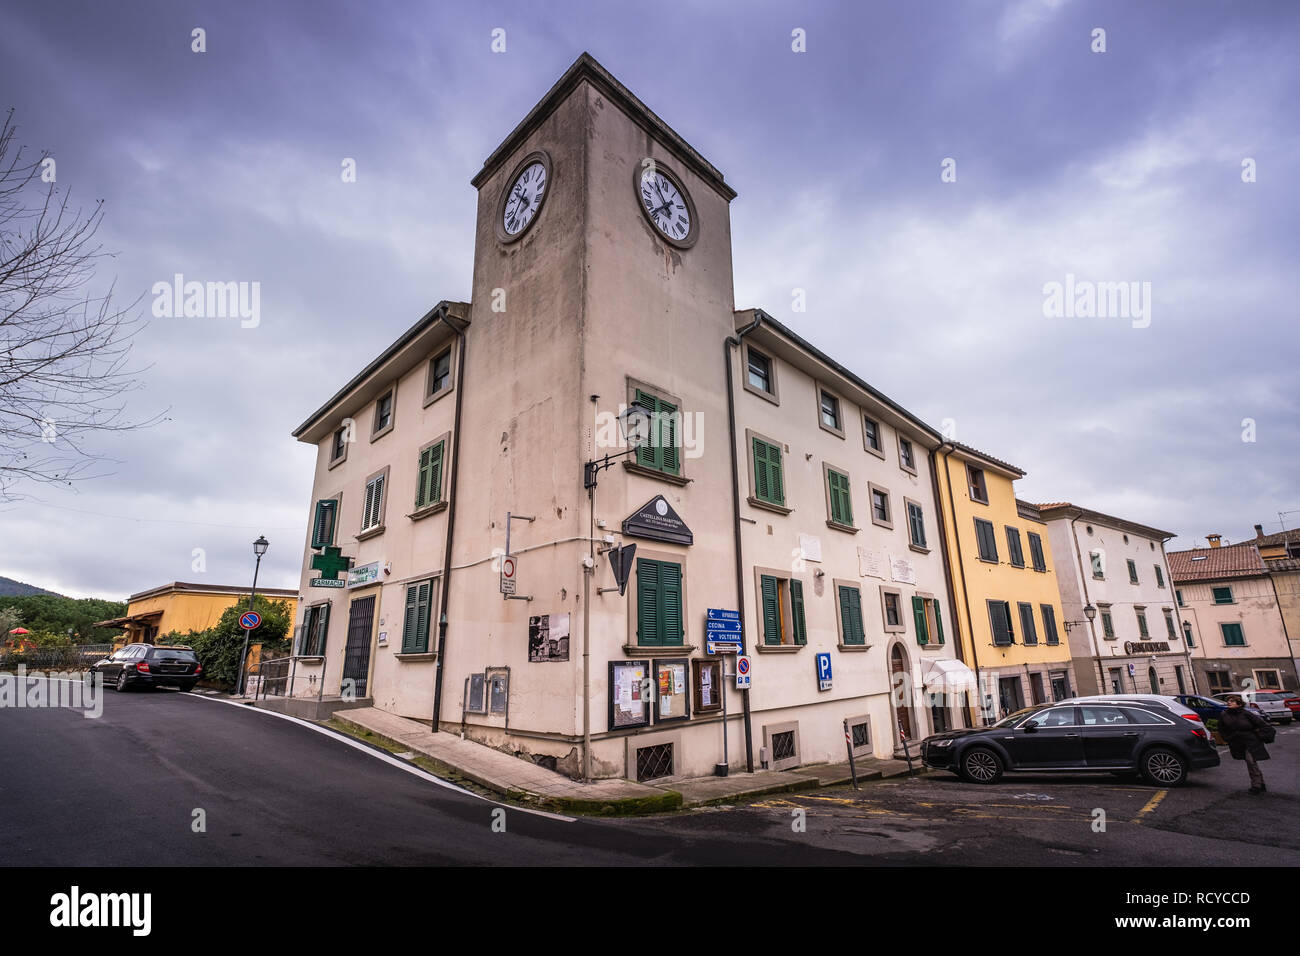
[(823, 672), (722, 630)]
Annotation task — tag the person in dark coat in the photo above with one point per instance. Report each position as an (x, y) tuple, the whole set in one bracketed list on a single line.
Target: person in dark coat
[(1246, 733)]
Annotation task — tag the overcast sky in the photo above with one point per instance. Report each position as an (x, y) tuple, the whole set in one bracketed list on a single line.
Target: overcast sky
[(1124, 165)]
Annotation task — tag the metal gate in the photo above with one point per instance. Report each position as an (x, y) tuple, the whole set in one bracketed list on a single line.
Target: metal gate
[(356, 658)]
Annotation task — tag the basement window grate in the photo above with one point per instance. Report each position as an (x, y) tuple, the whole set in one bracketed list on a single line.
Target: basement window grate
[(861, 735), (654, 762), (783, 745)]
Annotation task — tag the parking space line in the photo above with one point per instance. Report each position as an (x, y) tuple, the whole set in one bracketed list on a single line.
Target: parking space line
[(1151, 805)]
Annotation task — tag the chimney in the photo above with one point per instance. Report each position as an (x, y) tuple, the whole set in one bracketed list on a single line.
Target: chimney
[(1259, 532), (1213, 539)]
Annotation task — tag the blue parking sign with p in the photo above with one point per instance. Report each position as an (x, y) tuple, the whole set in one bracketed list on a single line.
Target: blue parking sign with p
[(823, 672)]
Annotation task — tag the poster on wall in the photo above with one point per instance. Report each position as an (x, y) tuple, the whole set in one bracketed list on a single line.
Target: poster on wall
[(904, 571), (548, 638), (871, 564), (671, 678), (628, 706), (708, 685)]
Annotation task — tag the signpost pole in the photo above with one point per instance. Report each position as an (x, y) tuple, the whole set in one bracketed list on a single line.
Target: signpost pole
[(243, 654), (848, 745), (725, 768)]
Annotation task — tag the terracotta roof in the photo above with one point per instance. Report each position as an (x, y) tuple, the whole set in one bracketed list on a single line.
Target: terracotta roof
[(1281, 537), (1046, 505), (1207, 564), (987, 457)]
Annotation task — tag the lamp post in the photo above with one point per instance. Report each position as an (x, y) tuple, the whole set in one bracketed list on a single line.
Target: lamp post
[(259, 549), (634, 422)]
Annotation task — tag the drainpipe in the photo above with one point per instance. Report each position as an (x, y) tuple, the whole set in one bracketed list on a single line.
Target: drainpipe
[(961, 564), (439, 664), (730, 343), (1092, 625)]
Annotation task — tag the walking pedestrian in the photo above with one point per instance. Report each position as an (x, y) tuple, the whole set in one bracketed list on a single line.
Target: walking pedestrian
[(1246, 733)]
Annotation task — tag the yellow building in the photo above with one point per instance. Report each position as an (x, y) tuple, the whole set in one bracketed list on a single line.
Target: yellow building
[(1008, 603), (180, 607)]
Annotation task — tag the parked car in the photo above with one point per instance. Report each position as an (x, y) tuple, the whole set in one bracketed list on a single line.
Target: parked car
[(150, 665), (1158, 701), (1121, 738), (1265, 703), (1292, 700), (1207, 707)]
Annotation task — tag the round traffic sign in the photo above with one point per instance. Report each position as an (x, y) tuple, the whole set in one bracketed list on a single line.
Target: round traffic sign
[(508, 567), (742, 665), (250, 620)]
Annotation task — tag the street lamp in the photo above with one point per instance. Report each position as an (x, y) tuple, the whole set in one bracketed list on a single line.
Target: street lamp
[(1089, 612), (634, 422), (259, 549)]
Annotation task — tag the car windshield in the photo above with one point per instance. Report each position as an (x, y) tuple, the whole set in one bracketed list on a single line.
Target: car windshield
[(1010, 720)]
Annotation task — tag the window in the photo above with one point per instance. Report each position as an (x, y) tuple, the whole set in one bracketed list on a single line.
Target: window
[(915, 524), (891, 603), (1178, 594), (1132, 571), (1220, 681), (1015, 554), (1036, 552), (850, 607), (1049, 624), (978, 489), (830, 412), (1160, 576), (415, 623), (906, 457), (1029, 633), (661, 453), (769, 483), (372, 512), (322, 526), (1187, 635), (339, 449), (760, 370), (871, 436), (925, 614), (1000, 620), (1098, 565), (1102, 716), (1233, 635), (882, 513), (383, 415), (988, 544), (659, 603), (1223, 595), (315, 627), (838, 499), (1268, 680), (428, 480), (439, 375), (1169, 626), (782, 612), (1142, 621), (1107, 624)]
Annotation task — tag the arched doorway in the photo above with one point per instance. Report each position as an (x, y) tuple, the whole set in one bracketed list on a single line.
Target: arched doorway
[(1154, 678), (902, 690)]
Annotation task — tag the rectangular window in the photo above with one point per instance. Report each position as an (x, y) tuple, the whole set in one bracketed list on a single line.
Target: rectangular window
[(1000, 620), (769, 483), (906, 457), (1142, 621), (322, 526), (1036, 552), (1188, 636), (1223, 595), (760, 371), (1219, 680), (428, 480), (830, 411), (880, 506), (1107, 624), (659, 603), (1160, 576), (1098, 565), (663, 451), (1169, 626), (372, 511), (415, 622), (1028, 630), (929, 626), (339, 449), (782, 610), (1132, 571), (978, 488), (383, 413), (1049, 624), (837, 490), (891, 601), (851, 630), (988, 544), (1014, 553), (439, 374), (315, 628), (1233, 635), (916, 524), (871, 433), (1178, 595)]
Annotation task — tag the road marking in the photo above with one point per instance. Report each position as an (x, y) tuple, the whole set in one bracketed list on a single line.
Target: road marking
[(1151, 805), (385, 757)]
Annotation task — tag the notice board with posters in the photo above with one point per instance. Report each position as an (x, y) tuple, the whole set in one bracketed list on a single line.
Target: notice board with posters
[(672, 695), (628, 706), (707, 678)]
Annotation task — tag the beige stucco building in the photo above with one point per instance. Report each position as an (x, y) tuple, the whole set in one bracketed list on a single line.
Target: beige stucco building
[(781, 492)]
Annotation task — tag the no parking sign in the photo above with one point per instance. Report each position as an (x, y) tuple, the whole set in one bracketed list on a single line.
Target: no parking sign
[(250, 620), (742, 673)]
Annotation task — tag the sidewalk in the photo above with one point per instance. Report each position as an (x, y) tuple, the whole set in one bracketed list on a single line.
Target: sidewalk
[(524, 781)]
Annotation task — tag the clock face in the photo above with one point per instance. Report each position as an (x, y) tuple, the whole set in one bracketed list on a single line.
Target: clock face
[(665, 205), (524, 198)]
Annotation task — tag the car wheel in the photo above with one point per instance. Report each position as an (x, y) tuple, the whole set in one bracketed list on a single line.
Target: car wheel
[(981, 765), (185, 688), (120, 686), (1164, 768)]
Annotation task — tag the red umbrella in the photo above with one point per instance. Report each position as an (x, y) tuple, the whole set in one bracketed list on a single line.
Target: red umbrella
[(20, 630)]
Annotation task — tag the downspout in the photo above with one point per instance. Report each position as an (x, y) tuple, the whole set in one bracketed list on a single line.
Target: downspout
[(947, 569), (439, 664), (1092, 625), (1173, 594), (961, 563), (728, 344)]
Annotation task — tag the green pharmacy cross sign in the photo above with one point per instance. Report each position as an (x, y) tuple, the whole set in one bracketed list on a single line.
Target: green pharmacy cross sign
[(329, 563)]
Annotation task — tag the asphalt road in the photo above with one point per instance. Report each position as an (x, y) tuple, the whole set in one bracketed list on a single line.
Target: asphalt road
[(122, 789)]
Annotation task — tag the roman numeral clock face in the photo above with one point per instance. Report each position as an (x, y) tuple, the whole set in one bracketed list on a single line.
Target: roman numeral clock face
[(525, 192), (667, 206)]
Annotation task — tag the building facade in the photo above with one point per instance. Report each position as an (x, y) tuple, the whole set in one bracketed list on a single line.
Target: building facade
[(1227, 596), (1281, 554), (1118, 567), (460, 570), (181, 607), (1005, 575)]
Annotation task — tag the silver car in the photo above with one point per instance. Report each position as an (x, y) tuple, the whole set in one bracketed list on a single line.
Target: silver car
[(1159, 701), (1266, 704)]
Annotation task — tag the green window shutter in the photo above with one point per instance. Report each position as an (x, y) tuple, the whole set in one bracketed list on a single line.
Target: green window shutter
[(322, 529), (645, 454), (410, 620), (1049, 624), (938, 622), (668, 454), (322, 628), (422, 479), (762, 491), (433, 493), (796, 607), (775, 479), (1000, 618), (670, 587), (918, 616), (916, 519), (767, 473), (846, 615), (1028, 630), (1233, 636), (841, 505), (422, 618), (647, 601), (771, 618)]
